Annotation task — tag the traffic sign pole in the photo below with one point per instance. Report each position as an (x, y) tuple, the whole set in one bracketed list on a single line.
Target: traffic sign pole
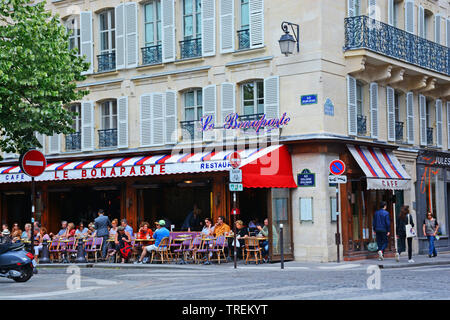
[(33, 212)]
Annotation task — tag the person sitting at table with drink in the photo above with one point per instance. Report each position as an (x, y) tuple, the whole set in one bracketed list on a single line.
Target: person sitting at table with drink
[(145, 232), (39, 240), (6, 236), (70, 231), (122, 243), (127, 227), (208, 229), (220, 228), (91, 230), (113, 229), (26, 235), (81, 231), (264, 232), (241, 233), (15, 232), (160, 233)]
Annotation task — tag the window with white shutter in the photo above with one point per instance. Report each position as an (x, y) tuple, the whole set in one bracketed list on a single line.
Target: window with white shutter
[(87, 125), (439, 123), (227, 100), (210, 109), (226, 26), (374, 109), (41, 138), (448, 125), (272, 97), (131, 34), (390, 102), (351, 105), (122, 122), (145, 105), (208, 27), (391, 12), (171, 117), (409, 16), (168, 30), (423, 120), (410, 117), (447, 32), (437, 28), (86, 39), (158, 122), (421, 19), (55, 143), (120, 36), (256, 8), (353, 8)]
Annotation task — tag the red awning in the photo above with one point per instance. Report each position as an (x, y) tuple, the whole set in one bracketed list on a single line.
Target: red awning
[(272, 170)]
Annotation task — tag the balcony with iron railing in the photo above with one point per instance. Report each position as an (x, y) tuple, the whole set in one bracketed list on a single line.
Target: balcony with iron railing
[(151, 55), (430, 136), (398, 131), (106, 62), (192, 130), (73, 141), (243, 39), (362, 32), (191, 48), (107, 138), (362, 125)]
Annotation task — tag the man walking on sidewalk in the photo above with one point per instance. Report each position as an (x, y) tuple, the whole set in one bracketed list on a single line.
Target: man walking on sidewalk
[(101, 225), (381, 225)]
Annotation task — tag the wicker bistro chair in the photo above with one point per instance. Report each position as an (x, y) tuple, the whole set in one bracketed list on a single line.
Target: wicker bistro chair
[(252, 246), (219, 248), (195, 245), (95, 247), (183, 249), (162, 250), (204, 249), (71, 248), (53, 249)]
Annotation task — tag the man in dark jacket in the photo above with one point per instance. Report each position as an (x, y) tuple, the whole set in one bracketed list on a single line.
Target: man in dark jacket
[(101, 224), (381, 225)]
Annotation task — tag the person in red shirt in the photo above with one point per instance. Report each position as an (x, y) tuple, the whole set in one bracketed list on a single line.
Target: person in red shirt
[(145, 232), (70, 232)]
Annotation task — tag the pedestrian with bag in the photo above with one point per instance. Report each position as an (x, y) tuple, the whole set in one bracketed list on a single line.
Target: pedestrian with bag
[(430, 229), (381, 225), (405, 233)]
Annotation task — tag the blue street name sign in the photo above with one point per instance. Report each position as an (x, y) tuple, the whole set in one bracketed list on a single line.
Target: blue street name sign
[(308, 99), (306, 179)]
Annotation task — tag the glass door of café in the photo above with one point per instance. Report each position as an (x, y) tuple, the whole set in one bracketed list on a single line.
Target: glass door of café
[(279, 204)]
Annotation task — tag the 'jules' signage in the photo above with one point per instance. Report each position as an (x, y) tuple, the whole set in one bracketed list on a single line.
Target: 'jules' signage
[(232, 121)]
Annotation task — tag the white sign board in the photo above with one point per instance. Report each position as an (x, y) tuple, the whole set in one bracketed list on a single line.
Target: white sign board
[(236, 187), (337, 179), (236, 175)]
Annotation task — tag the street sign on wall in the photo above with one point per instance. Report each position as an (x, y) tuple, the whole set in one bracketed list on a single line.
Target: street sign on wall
[(236, 175), (337, 179), (306, 179), (236, 187)]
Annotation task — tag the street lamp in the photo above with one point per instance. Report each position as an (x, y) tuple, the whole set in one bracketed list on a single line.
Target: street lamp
[(287, 41)]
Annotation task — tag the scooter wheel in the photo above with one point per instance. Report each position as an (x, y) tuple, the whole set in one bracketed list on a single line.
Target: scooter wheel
[(27, 273)]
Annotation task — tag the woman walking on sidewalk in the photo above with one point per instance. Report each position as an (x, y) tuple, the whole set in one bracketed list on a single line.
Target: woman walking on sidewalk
[(430, 229), (404, 219)]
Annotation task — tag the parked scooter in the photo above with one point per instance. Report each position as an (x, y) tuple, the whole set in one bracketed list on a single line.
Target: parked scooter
[(15, 262)]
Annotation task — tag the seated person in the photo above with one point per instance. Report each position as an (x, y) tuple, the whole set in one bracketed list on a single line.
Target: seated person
[(6, 236), (16, 232), (208, 229), (40, 239), (160, 233), (70, 231), (26, 235), (145, 232), (264, 232), (221, 228), (91, 230), (81, 231), (122, 243), (113, 230)]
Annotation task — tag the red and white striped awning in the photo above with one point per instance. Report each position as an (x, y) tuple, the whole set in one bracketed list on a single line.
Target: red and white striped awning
[(381, 167), (148, 165)]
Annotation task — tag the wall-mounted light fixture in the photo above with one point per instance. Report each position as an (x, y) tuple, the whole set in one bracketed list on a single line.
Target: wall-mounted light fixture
[(287, 41)]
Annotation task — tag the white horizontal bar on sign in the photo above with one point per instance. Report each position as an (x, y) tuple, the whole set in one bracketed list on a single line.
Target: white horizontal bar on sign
[(34, 163)]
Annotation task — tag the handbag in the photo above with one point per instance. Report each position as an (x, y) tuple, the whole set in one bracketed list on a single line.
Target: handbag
[(410, 232)]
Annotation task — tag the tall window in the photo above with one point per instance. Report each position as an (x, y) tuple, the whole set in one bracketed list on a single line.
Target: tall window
[(152, 18), (73, 30), (396, 12), (107, 32), (193, 109), (192, 19), (109, 115), (76, 125), (396, 106), (359, 99), (253, 97), (245, 15)]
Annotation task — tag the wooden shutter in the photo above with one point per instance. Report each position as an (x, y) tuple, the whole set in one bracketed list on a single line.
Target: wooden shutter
[(422, 22), (131, 34), (171, 117), (439, 123), (256, 23), (272, 97), (120, 36), (390, 102), (410, 117), (41, 138), (227, 100), (351, 8), (55, 143), (351, 105), (391, 12), (157, 107), (374, 109), (86, 39), (122, 122), (168, 30), (227, 35), (209, 109), (145, 105), (208, 27), (437, 29), (423, 120), (409, 16), (87, 126)]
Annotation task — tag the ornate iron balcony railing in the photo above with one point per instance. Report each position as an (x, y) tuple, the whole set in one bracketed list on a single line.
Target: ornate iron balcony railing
[(106, 62), (362, 125), (107, 138), (430, 136), (73, 141), (194, 129), (361, 32), (398, 131), (151, 54), (191, 48), (244, 39)]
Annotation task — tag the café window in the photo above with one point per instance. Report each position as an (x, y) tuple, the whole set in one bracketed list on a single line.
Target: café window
[(252, 94), (436, 200)]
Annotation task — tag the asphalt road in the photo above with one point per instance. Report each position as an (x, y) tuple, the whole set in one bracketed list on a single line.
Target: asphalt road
[(348, 282)]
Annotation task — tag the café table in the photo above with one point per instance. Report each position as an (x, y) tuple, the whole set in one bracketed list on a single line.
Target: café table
[(182, 239)]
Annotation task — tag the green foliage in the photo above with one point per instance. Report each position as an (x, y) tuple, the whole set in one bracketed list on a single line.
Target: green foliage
[(38, 75)]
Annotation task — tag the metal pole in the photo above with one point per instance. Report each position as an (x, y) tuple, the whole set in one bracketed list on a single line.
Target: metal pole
[(234, 230), (395, 221), (281, 246), (33, 209), (338, 236)]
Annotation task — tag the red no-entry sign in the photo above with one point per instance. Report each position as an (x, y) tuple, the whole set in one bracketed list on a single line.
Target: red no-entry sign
[(33, 163), (235, 160)]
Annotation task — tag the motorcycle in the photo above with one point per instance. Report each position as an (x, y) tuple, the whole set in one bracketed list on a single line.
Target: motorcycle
[(15, 262)]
